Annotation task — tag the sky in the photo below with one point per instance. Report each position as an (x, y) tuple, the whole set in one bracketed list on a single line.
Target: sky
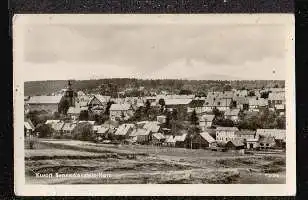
[(154, 51)]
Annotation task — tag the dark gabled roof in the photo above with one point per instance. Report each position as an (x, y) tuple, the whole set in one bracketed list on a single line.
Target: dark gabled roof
[(236, 143), (196, 103)]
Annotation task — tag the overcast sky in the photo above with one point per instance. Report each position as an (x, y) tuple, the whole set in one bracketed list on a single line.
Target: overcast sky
[(185, 51)]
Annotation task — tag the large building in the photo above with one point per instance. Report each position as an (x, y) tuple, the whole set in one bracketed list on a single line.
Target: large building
[(51, 103)]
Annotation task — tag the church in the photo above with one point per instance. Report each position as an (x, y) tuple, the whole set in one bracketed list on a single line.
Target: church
[(52, 104)]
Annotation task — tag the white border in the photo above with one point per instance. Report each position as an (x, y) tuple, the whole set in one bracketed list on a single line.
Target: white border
[(289, 189)]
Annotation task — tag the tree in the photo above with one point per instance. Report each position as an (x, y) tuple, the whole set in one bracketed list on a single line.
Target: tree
[(217, 113), (194, 118), (84, 115), (251, 94), (227, 88), (224, 122), (56, 115), (83, 131), (185, 92), (44, 130), (107, 110), (63, 106), (147, 105), (162, 103), (264, 95)]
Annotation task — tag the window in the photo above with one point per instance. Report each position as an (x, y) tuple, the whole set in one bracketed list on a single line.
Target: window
[(261, 144), (267, 145)]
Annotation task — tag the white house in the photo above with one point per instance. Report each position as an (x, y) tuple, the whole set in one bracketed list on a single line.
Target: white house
[(225, 134), (121, 112), (206, 121)]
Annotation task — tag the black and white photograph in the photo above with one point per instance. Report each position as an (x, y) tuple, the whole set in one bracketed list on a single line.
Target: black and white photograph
[(159, 100)]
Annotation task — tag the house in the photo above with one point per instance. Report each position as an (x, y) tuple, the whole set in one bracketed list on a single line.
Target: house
[(278, 134), (215, 102), (245, 135), (234, 145), (197, 105), (89, 122), (28, 127), (276, 98), (280, 108), (68, 128), (102, 132), (241, 93), (120, 112), (170, 141), (266, 142), (157, 139), (241, 103), (74, 112), (46, 103), (179, 104), (161, 119), (123, 131), (201, 140), (225, 134), (180, 140), (56, 125), (152, 126), (98, 103), (252, 143), (256, 103), (232, 114), (205, 121), (141, 136)]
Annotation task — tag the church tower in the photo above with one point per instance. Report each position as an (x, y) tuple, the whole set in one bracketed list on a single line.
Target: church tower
[(70, 95)]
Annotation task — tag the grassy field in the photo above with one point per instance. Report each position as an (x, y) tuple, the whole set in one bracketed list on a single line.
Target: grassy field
[(125, 164)]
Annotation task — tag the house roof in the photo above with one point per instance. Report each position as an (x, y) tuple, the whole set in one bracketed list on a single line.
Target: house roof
[(124, 129), (177, 101), (268, 140), (141, 132), (241, 100), (69, 126), (90, 122), (280, 106), (170, 139), (276, 96), (57, 126), (158, 136), (246, 132), (29, 122), (51, 121), (180, 138), (258, 102), (207, 137), (220, 128), (117, 107), (207, 118), (277, 133), (217, 102), (44, 100), (102, 130), (28, 126), (152, 126), (102, 99), (73, 110), (236, 143), (232, 112), (196, 103), (80, 93)]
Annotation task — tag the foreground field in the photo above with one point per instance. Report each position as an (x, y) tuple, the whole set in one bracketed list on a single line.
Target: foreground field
[(125, 164)]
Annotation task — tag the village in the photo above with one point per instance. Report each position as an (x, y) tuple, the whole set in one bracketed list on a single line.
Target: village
[(237, 120)]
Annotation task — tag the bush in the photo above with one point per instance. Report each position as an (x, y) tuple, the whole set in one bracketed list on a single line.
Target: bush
[(44, 130), (83, 132)]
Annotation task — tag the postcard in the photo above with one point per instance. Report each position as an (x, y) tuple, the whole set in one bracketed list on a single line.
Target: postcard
[(154, 105)]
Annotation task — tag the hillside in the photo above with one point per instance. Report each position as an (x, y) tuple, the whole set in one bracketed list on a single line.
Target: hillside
[(175, 85)]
